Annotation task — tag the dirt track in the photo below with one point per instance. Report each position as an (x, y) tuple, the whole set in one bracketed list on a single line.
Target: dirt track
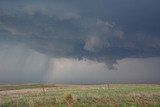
[(21, 91)]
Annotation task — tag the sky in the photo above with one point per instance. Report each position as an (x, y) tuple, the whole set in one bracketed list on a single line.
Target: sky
[(80, 41)]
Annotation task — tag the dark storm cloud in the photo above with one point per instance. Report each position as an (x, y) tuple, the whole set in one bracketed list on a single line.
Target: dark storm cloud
[(105, 31)]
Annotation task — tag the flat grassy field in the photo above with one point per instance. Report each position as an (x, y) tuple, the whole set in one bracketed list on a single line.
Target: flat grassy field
[(116, 95)]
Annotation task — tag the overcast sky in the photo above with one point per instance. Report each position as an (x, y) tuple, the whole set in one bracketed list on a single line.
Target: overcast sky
[(80, 41)]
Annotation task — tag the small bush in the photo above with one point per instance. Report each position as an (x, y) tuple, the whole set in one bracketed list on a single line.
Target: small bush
[(69, 98)]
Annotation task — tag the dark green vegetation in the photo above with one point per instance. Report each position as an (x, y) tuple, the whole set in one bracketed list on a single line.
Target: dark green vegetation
[(117, 95), (23, 86)]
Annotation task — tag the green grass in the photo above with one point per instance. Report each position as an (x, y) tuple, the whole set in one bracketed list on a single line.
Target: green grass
[(119, 95)]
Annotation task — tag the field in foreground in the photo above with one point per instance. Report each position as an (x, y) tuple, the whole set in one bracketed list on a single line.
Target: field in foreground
[(117, 95)]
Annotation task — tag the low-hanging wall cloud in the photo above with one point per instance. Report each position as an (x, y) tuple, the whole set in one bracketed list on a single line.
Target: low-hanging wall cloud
[(36, 34)]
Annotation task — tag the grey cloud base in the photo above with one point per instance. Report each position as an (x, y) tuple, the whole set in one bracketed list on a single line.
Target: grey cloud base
[(102, 31)]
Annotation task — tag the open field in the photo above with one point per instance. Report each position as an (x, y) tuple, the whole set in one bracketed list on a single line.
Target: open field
[(117, 95)]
